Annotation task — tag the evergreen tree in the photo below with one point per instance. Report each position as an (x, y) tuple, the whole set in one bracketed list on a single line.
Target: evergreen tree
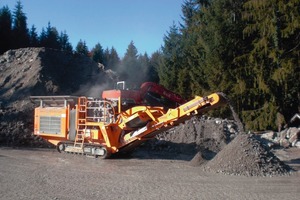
[(33, 37), (272, 62), (154, 61), (106, 57), (82, 48), (189, 9), (5, 29), (43, 38), (192, 52), (248, 49), (52, 37), (64, 43), (289, 68), (132, 52), (20, 30), (112, 59), (171, 60), (98, 54), (130, 70), (144, 65)]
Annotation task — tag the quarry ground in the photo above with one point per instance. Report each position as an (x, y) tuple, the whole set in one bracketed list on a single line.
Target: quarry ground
[(47, 174)]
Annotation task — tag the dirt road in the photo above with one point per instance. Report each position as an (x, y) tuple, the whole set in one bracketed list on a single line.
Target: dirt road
[(46, 174)]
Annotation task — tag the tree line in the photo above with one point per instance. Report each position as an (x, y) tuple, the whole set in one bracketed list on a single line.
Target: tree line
[(14, 32), (248, 49)]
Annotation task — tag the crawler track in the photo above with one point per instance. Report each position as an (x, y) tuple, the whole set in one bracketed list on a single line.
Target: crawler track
[(87, 149)]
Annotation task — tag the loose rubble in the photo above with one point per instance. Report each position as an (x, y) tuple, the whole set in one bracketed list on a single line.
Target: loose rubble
[(289, 137), (200, 133), (247, 156)]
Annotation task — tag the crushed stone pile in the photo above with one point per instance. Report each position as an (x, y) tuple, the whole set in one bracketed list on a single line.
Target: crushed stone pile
[(247, 156), (200, 133), (40, 71)]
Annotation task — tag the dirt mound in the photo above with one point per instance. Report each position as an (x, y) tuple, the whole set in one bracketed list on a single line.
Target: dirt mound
[(246, 155), (199, 134), (40, 71)]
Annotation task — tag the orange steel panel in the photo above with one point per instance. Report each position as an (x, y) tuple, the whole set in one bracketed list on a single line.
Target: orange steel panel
[(111, 94), (59, 112)]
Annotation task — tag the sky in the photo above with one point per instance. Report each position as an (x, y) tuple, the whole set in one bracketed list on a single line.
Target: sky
[(112, 23)]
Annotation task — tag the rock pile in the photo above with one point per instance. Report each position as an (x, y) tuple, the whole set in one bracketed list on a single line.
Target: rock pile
[(200, 133), (289, 137), (246, 155)]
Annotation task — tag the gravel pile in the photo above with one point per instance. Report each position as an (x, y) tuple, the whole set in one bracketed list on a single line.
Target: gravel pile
[(289, 137), (205, 133), (247, 156), (201, 134)]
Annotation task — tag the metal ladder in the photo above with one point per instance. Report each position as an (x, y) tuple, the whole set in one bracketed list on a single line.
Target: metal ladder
[(81, 123)]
